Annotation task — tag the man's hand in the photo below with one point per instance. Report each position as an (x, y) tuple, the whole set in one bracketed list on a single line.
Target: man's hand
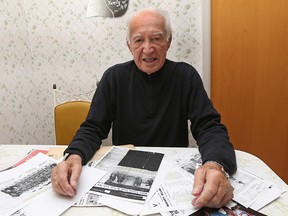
[(66, 174), (211, 187)]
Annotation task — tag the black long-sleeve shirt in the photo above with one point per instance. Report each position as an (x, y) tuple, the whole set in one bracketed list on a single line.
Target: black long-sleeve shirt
[(153, 110)]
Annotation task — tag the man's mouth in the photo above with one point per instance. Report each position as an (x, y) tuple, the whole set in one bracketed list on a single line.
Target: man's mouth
[(149, 60)]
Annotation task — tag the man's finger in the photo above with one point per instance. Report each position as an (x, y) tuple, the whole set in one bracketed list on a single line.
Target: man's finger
[(220, 200), (199, 181), (209, 192), (55, 178), (76, 170), (64, 175), (211, 187)]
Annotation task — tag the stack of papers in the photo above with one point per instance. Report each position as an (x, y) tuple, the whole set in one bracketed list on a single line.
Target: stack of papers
[(172, 187), (26, 189), (131, 176), (253, 192), (249, 190), (19, 185), (131, 181)]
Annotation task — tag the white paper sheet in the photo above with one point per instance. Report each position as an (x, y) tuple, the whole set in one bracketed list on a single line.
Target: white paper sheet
[(247, 187), (270, 195), (134, 208), (20, 185), (51, 203), (124, 205), (173, 191), (129, 208)]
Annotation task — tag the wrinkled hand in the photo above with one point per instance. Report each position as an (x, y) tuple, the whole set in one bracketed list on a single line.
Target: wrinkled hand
[(211, 187), (66, 174)]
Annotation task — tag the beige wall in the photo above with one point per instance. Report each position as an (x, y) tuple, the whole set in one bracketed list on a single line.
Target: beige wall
[(47, 42)]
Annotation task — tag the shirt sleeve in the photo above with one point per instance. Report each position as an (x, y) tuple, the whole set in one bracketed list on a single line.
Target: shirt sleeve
[(211, 135), (97, 125)]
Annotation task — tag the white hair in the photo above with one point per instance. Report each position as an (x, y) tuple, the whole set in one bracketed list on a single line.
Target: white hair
[(164, 14)]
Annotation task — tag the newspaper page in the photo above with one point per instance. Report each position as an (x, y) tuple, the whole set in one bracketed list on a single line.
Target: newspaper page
[(51, 203), (92, 199), (130, 173), (235, 210), (21, 184), (173, 193), (249, 190), (188, 160), (29, 155), (270, 195), (247, 187), (89, 199)]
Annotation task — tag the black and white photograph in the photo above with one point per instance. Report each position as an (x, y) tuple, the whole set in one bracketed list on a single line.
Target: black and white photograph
[(131, 177), (187, 160), (32, 182), (21, 184)]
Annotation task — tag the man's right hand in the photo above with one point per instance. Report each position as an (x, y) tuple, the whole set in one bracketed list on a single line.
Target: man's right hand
[(66, 174)]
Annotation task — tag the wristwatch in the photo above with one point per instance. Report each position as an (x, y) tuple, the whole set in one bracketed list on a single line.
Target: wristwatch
[(221, 167)]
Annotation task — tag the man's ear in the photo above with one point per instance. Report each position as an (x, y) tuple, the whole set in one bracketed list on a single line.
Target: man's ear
[(169, 42), (128, 44)]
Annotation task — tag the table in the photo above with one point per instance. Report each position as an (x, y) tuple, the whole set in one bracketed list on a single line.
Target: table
[(10, 154)]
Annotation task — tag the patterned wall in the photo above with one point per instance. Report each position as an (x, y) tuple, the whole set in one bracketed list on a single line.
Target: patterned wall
[(47, 42)]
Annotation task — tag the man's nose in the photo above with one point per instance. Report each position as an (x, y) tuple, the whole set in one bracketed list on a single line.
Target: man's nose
[(148, 46)]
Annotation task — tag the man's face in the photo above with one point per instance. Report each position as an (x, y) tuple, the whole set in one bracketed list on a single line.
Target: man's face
[(148, 41)]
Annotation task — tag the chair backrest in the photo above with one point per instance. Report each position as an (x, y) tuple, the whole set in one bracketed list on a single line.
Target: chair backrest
[(63, 96), (68, 117), (70, 110)]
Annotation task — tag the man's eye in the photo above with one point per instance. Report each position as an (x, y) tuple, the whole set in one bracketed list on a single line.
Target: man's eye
[(138, 41), (157, 39)]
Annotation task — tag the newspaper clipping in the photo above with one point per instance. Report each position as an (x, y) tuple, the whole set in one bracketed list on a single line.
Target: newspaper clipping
[(130, 173)]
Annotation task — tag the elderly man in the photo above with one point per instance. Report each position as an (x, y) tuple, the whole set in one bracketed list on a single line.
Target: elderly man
[(148, 102)]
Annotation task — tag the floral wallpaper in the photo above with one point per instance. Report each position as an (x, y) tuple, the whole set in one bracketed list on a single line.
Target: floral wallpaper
[(53, 42)]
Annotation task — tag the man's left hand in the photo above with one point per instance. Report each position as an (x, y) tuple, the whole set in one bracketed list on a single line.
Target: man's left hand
[(211, 187)]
